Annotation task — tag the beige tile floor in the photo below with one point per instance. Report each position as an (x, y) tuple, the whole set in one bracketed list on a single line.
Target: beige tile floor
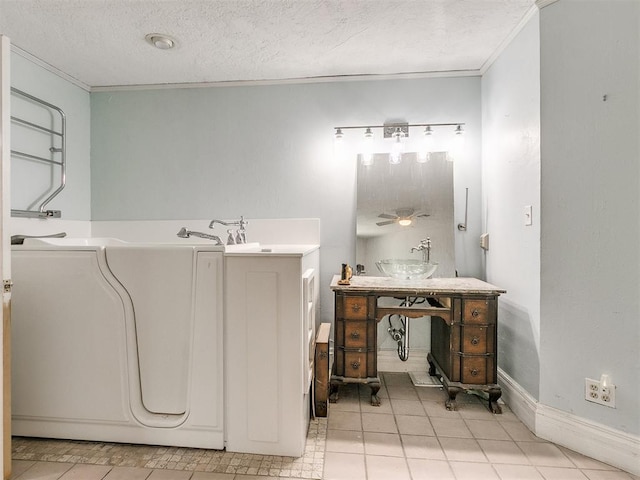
[(45, 459), (411, 436)]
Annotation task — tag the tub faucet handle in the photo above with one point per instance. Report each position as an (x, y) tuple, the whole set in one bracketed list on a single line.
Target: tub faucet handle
[(230, 239)]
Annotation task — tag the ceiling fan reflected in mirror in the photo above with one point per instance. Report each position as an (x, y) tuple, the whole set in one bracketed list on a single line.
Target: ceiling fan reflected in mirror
[(403, 217)]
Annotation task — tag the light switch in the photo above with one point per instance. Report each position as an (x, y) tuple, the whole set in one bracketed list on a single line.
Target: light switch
[(528, 219)]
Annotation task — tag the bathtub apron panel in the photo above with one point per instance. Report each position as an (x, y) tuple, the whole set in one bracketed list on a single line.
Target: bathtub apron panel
[(128, 349), (160, 283), (71, 346)]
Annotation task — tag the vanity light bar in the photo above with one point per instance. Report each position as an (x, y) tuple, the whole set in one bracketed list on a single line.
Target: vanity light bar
[(392, 129)]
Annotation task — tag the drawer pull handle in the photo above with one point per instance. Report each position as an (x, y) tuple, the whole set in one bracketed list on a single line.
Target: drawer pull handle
[(355, 335), (355, 365), (475, 341), (474, 372), (356, 307), (475, 312)]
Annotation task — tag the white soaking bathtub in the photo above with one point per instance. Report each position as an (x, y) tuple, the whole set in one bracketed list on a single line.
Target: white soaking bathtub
[(116, 341)]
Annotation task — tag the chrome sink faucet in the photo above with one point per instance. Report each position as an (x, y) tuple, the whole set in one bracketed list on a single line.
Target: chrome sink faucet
[(425, 248), (241, 232)]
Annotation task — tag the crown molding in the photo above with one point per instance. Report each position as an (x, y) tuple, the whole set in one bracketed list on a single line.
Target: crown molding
[(543, 3), (241, 83), (50, 68), (509, 38), (291, 81)]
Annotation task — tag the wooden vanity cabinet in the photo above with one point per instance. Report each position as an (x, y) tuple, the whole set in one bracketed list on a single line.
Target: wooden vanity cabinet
[(463, 350), (355, 343), (464, 317)]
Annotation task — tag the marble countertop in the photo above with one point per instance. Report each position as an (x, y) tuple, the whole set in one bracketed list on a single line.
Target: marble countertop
[(417, 286)]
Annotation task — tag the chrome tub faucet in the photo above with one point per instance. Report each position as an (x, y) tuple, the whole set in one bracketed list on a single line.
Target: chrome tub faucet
[(241, 232)]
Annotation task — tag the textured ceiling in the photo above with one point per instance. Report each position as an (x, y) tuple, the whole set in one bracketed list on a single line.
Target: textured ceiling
[(101, 42)]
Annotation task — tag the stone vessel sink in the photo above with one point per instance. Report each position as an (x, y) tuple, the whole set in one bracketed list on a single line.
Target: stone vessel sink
[(406, 269)]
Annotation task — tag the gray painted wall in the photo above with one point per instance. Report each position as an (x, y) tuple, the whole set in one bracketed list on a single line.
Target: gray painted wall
[(590, 235), (266, 152), (75, 200), (572, 308), (511, 180)]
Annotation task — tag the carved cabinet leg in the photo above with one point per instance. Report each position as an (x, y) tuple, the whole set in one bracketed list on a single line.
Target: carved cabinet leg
[(451, 403), (494, 395), (333, 393), (375, 400)]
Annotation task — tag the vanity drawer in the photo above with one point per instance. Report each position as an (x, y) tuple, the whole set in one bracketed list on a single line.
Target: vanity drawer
[(477, 339), (477, 369), (355, 308), (355, 334), (355, 364), (476, 311)]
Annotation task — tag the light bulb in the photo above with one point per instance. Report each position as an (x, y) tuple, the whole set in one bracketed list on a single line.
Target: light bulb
[(368, 135), (395, 157), (404, 222), (163, 43), (426, 146), (367, 148), (338, 146), (457, 148)]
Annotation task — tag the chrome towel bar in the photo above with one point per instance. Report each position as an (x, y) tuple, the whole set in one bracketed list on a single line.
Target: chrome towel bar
[(42, 212)]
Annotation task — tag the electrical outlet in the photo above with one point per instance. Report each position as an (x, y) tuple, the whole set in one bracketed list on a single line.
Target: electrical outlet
[(596, 393)]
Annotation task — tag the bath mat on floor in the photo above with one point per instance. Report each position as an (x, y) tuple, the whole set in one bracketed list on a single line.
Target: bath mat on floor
[(423, 379)]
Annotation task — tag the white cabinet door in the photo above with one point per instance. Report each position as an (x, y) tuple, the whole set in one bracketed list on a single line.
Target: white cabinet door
[(266, 353)]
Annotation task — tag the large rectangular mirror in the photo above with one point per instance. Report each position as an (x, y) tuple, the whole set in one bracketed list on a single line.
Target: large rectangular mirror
[(417, 194), (420, 196)]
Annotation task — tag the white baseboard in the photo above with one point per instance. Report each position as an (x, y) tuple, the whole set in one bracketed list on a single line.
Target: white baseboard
[(589, 438), (521, 403), (388, 361), (611, 446)]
